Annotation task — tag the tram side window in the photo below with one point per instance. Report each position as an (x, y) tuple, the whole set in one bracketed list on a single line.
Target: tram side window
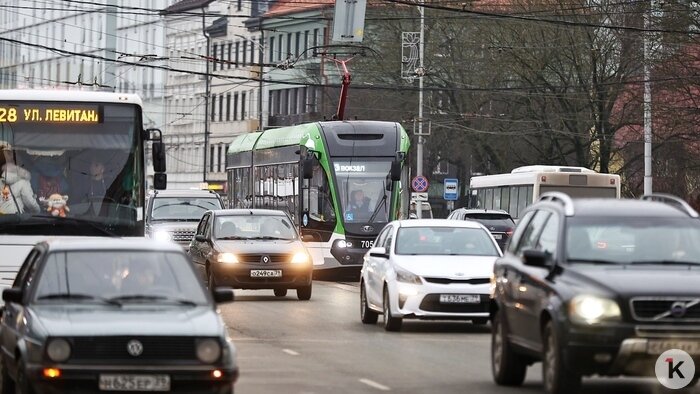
[(318, 199), (240, 192)]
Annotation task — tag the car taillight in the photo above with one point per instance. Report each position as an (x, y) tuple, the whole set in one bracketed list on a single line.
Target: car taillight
[(509, 232)]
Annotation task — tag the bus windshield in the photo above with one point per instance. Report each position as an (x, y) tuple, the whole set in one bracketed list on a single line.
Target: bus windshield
[(362, 188), (69, 163)]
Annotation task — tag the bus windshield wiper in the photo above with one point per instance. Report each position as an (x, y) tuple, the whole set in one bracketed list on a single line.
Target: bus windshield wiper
[(664, 262), (594, 261), (77, 296), (267, 237), (233, 238)]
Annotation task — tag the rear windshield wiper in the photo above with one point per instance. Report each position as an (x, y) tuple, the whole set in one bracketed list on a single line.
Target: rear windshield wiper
[(77, 296), (594, 261), (152, 297)]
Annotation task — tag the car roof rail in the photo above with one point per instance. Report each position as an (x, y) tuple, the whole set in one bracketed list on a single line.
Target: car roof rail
[(562, 198), (675, 201)]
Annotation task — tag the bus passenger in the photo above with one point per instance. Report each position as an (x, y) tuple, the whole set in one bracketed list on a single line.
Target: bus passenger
[(17, 195)]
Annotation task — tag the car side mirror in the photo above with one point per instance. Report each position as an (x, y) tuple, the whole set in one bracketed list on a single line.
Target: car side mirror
[(158, 156), (223, 295), (12, 295), (379, 252), (200, 238), (395, 170), (536, 258), (160, 180)]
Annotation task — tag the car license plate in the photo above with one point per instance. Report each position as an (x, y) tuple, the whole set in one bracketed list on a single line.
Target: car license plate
[(265, 273), (135, 382), (660, 346), (460, 299), (497, 236)]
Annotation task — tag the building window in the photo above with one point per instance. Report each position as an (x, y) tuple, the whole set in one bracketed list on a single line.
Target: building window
[(214, 62), (272, 49), (245, 52), (235, 106), (221, 108), (284, 102), (293, 101), (239, 5), (289, 44), (230, 45), (262, 51), (228, 106), (211, 158), (252, 52), (220, 149), (213, 108), (296, 44), (302, 100), (306, 44), (221, 58), (315, 37), (238, 47), (243, 115)]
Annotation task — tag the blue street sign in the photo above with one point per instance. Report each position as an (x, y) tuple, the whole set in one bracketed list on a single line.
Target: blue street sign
[(451, 190), (420, 184)]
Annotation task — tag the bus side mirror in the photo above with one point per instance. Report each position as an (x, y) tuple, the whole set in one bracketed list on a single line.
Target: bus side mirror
[(396, 170), (158, 156), (160, 180), (307, 168)]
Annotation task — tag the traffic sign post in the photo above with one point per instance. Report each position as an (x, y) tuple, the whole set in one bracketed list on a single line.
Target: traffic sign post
[(451, 189), (420, 184)]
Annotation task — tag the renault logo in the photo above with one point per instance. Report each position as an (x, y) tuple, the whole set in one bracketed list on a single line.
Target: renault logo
[(367, 229), (134, 348), (265, 259)]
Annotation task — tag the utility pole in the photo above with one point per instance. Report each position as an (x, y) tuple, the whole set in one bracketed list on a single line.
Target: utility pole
[(647, 101), (207, 88), (110, 51), (260, 75), (421, 73)]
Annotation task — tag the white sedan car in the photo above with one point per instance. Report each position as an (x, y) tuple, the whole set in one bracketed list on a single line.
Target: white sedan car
[(428, 269)]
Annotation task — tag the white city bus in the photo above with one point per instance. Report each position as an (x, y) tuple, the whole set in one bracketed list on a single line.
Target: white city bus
[(521, 187)]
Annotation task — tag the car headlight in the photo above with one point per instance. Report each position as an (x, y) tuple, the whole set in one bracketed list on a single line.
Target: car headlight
[(208, 350), (227, 258), (162, 235), (592, 309), (407, 277), (300, 258), (58, 350)]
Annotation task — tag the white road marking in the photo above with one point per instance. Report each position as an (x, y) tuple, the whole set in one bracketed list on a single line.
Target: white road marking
[(290, 352), (372, 383)]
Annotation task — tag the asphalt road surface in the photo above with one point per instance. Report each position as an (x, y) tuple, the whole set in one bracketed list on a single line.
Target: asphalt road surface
[(320, 346)]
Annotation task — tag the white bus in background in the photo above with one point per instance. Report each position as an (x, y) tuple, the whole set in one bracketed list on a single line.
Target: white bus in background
[(521, 187)]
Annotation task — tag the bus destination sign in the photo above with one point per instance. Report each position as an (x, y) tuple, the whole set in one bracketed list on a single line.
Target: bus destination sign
[(48, 113)]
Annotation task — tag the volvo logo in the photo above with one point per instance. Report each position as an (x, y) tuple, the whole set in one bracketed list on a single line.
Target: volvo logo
[(367, 229), (678, 309), (265, 259), (134, 348)]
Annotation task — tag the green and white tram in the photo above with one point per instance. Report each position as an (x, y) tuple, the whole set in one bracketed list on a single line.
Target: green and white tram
[(349, 174)]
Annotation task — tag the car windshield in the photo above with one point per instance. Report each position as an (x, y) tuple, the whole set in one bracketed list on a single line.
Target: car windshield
[(633, 240), (492, 220), (444, 241), (362, 187), (103, 275), (254, 227), (183, 208)]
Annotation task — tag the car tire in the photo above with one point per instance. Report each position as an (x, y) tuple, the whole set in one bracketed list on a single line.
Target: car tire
[(22, 385), (304, 293), (507, 367), (8, 385), (367, 315), (390, 323), (280, 292), (211, 281), (556, 377)]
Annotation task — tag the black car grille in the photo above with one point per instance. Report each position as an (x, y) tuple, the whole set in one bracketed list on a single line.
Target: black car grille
[(686, 309), (447, 281), (182, 235), (113, 349), (257, 258), (431, 303)]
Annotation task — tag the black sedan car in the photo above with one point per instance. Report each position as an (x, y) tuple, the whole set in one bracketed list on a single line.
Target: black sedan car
[(252, 249), (112, 315), (498, 222), (596, 287)]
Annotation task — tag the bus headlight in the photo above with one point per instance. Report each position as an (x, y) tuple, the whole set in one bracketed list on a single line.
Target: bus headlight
[(162, 235), (227, 258), (300, 258), (592, 309)]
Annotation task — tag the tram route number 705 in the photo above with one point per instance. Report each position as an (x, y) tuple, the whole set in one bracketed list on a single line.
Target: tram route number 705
[(367, 244)]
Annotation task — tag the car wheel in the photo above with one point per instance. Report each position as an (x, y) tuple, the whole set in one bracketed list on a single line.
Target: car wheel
[(304, 293), (280, 292), (390, 323), (367, 315), (211, 281), (22, 384), (556, 377), (8, 385), (507, 367)]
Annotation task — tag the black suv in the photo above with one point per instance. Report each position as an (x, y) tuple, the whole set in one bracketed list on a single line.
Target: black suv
[(596, 287), (498, 222)]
